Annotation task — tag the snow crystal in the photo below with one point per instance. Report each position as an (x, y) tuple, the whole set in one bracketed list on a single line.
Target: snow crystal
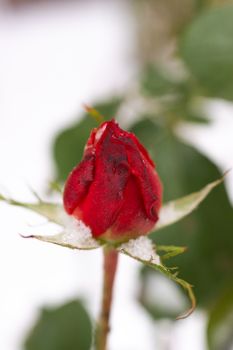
[(141, 248), (77, 234)]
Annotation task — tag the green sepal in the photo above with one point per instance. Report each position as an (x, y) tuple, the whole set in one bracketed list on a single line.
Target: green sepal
[(52, 211), (176, 210), (170, 251)]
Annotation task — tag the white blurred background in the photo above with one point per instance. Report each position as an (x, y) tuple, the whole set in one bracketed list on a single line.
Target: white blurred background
[(54, 58)]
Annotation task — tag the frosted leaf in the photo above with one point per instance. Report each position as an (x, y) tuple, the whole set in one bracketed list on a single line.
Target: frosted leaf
[(76, 235), (141, 248), (52, 211), (176, 210)]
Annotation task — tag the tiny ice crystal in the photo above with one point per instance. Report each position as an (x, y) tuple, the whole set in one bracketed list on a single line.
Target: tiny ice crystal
[(76, 233), (141, 248)]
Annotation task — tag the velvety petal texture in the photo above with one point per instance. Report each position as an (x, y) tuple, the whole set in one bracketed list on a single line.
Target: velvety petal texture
[(115, 190)]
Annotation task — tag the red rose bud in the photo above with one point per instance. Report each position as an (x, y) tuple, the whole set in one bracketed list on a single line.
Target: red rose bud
[(115, 190)]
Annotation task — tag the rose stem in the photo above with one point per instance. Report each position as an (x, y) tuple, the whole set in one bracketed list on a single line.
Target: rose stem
[(110, 266)]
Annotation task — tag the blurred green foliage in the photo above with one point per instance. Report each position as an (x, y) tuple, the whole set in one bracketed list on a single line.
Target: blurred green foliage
[(67, 327), (156, 82), (207, 49), (173, 97), (204, 50), (220, 330)]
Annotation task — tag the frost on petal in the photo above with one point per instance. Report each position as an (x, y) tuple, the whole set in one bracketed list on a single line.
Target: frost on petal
[(76, 235), (141, 248)]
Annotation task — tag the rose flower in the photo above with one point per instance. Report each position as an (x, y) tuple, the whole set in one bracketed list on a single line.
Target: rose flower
[(115, 190)]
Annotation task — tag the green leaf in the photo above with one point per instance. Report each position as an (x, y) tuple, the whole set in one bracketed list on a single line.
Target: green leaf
[(207, 49), (207, 232), (219, 329), (176, 210), (61, 328), (69, 143), (141, 249), (157, 82)]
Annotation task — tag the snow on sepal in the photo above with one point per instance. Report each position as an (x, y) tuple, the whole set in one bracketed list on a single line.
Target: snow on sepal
[(143, 250), (76, 235), (176, 210), (52, 211)]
